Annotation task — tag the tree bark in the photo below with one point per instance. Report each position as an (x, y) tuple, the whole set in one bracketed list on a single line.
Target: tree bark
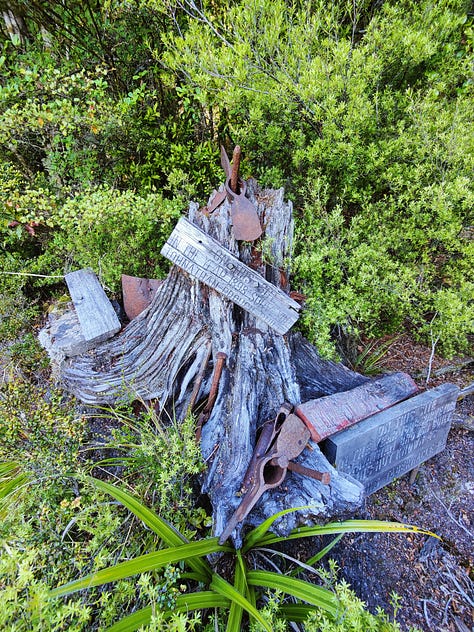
[(161, 353)]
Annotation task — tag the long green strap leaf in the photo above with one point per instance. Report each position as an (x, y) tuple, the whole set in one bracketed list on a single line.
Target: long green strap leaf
[(227, 590), (133, 621), (255, 536), (142, 564), (240, 584), (184, 603), (349, 526), (298, 588), (295, 612), (161, 527), (319, 556), (7, 467), (11, 485)]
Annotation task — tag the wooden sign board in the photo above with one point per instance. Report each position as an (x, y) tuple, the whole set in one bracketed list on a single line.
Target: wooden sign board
[(393, 442), (330, 414), (208, 261), (96, 315)]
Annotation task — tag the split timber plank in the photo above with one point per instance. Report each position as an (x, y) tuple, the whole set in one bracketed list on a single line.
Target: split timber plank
[(96, 315), (207, 260)]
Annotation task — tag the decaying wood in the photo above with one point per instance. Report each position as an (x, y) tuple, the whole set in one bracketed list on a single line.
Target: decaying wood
[(96, 315), (206, 260), (161, 354)]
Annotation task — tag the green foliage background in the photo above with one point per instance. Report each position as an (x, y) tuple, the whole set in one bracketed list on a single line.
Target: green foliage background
[(111, 114)]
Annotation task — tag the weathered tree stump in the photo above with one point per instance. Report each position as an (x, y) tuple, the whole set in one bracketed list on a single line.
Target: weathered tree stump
[(162, 352)]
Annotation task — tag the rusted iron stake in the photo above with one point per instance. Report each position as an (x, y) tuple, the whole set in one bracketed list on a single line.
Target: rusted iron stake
[(324, 477), (234, 176), (220, 361), (199, 378), (216, 376)]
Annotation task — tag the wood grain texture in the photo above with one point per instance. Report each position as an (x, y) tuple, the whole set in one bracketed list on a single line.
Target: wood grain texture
[(206, 260), (96, 315), (160, 355)]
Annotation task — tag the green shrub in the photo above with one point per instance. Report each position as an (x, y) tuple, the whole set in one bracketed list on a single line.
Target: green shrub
[(364, 113), (161, 460), (77, 126), (111, 231)]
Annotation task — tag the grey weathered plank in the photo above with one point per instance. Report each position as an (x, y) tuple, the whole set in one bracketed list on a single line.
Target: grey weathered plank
[(205, 259), (327, 415), (96, 315), (391, 443)]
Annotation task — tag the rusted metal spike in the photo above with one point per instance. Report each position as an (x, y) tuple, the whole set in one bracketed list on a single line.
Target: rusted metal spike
[(234, 176), (244, 215), (216, 376), (324, 477)]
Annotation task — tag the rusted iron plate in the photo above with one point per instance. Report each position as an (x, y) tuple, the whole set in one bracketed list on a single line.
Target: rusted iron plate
[(137, 294), (327, 415), (244, 215), (225, 162), (291, 441), (217, 200)]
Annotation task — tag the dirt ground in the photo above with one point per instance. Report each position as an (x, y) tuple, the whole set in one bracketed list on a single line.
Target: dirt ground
[(434, 578)]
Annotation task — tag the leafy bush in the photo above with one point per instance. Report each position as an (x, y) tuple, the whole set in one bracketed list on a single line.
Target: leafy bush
[(241, 596), (162, 460), (51, 529), (111, 231), (364, 113), (70, 122)]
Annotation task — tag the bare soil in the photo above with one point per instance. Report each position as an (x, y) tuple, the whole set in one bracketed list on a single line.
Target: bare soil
[(433, 577)]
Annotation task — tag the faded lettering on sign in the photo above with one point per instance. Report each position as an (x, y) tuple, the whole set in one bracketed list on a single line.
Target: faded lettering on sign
[(208, 261)]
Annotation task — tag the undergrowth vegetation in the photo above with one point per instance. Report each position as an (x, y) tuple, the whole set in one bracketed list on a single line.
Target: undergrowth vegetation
[(111, 117), (74, 551)]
